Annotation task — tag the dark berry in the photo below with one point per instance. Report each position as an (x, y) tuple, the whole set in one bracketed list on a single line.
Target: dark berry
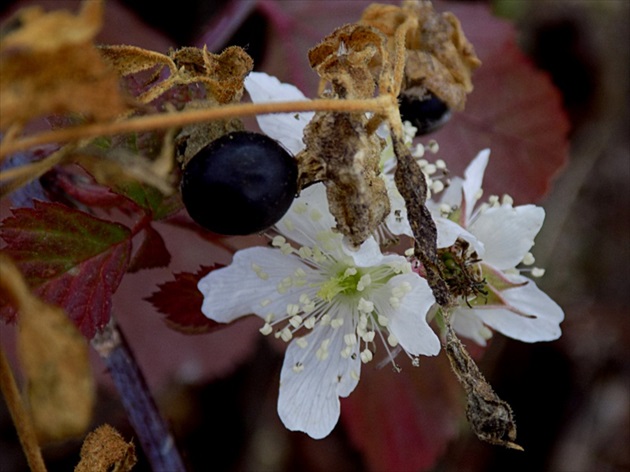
[(241, 183), (427, 112)]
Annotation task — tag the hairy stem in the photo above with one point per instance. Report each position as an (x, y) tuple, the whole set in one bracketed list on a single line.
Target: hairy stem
[(155, 438)]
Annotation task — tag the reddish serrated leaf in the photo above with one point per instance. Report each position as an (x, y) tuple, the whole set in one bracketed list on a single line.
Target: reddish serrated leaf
[(152, 252), (69, 258), (403, 421), (180, 301)]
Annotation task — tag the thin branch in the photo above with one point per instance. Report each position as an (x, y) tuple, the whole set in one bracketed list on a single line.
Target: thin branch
[(378, 105), (152, 430), (20, 417)]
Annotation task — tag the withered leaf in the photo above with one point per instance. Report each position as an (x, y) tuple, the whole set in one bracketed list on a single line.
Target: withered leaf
[(350, 58), (59, 384), (132, 59), (221, 75), (439, 57), (50, 66)]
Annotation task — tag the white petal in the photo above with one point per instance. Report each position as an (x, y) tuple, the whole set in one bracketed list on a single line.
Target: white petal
[(287, 128), (473, 177), (408, 322), (367, 255), (530, 300), (467, 323), (396, 221), (237, 290), (448, 232), (308, 401), (507, 233), (308, 216), (452, 195)]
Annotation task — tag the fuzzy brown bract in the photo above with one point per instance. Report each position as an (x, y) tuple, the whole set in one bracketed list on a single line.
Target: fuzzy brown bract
[(208, 80)]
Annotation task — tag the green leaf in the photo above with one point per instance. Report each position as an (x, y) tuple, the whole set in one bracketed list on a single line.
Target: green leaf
[(149, 198)]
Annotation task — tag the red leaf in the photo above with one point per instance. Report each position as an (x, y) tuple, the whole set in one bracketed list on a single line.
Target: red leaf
[(180, 301), (152, 252), (69, 258), (72, 182), (403, 421)]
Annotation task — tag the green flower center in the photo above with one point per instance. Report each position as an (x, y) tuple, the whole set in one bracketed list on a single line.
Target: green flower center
[(347, 281)]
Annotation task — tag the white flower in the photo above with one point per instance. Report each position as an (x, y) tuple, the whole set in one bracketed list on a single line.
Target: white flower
[(329, 306), (500, 236), (333, 305)]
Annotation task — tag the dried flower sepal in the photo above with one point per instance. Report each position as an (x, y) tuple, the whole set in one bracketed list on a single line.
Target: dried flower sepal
[(411, 184), (490, 418)]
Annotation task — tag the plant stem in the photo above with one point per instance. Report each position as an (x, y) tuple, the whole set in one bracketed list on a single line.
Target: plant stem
[(379, 105), (155, 438), (20, 417)]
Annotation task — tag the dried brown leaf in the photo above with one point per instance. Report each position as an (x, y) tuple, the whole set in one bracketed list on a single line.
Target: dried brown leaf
[(222, 74), (50, 66), (54, 356), (439, 57), (342, 149), (127, 60), (105, 450), (40, 31), (350, 58)]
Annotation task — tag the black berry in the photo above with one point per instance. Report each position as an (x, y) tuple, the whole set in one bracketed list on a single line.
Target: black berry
[(427, 112), (241, 183)]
